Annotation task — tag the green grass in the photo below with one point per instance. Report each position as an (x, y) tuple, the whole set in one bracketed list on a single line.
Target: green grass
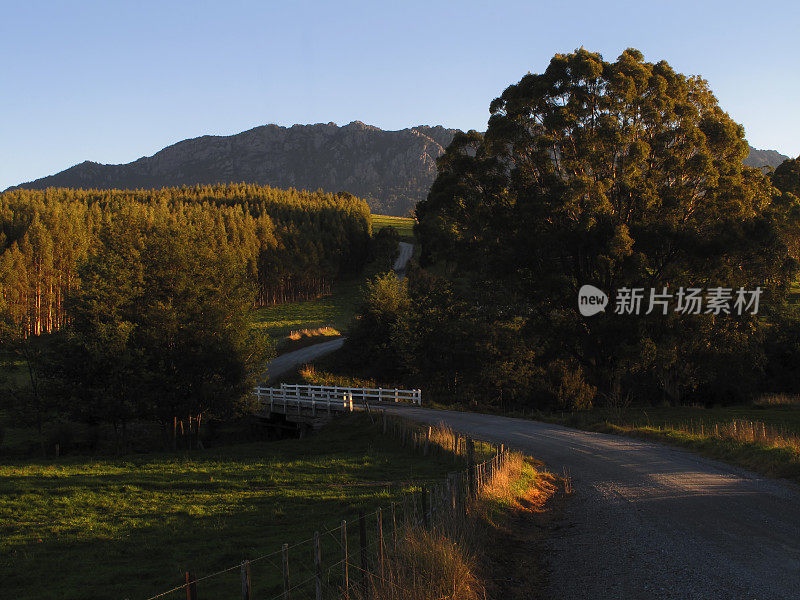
[(404, 225), (129, 527), (12, 371), (334, 310)]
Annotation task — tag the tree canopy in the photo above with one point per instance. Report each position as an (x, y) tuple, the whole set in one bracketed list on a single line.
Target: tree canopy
[(290, 244), (620, 174)]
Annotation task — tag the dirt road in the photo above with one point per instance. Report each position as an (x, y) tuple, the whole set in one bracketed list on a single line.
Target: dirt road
[(290, 360), (286, 362), (651, 522), (406, 251)]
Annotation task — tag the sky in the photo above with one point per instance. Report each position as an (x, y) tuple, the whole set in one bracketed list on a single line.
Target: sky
[(112, 81)]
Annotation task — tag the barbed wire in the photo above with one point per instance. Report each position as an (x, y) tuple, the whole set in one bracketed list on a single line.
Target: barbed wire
[(431, 515)]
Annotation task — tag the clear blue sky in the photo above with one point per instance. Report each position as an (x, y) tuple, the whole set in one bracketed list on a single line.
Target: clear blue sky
[(112, 81)]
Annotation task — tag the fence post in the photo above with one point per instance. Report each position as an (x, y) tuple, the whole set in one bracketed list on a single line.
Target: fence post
[(471, 466), (285, 557), (345, 573), (246, 580), (191, 586), (425, 506), (317, 565), (362, 535), (394, 528), (379, 532), (427, 440)]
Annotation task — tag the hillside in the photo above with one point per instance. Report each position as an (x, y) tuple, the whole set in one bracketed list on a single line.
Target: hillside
[(392, 170)]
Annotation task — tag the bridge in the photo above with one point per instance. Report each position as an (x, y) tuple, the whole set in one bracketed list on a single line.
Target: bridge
[(311, 406)]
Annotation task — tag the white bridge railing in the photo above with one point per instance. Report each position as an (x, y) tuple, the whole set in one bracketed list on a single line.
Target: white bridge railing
[(331, 398)]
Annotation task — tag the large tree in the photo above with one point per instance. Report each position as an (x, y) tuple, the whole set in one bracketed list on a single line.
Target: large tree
[(618, 174)]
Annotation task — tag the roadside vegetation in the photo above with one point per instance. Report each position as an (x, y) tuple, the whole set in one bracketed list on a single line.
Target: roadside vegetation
[(763, 437)]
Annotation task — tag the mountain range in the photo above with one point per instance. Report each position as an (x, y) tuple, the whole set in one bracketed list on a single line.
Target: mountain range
[(392, 170)]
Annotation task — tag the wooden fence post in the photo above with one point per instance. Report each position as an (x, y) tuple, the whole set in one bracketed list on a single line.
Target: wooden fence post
[(362, 534), (427, 440), (345, 573), (379, 533), (285, 557), (317, 566), (246, 580), (394, 527), (425, 506), (191, 586), (471, 466)]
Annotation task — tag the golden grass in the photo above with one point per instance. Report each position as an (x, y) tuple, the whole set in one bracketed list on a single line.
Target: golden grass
[(778, 400), (745, 431), (313, 333), (427, 565), (445, 562)]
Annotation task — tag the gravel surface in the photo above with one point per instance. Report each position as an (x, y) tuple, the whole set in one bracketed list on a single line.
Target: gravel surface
[(286, 362), (654, 522), (406, 250)]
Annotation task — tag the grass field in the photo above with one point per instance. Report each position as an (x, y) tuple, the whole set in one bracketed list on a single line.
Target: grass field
[(404, 225), (128, 528), (333, 311)]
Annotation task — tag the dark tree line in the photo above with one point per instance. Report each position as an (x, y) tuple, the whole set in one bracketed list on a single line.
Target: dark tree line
[(290, 244)]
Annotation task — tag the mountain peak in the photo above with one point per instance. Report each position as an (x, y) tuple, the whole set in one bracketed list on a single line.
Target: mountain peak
[(392, 170)]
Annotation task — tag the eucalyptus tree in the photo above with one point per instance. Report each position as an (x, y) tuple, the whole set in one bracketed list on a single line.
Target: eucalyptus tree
[(621, 174)]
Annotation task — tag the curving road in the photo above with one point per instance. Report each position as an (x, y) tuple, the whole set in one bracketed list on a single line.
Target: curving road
[(653, 522), (406, 251), (286, 362)]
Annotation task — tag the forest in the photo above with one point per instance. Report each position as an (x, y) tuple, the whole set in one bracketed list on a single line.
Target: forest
[(290, 244)]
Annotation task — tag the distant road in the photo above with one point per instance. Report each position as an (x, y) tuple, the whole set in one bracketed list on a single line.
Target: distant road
[(653, 522), (406, 251), (291, 360), (286, 362)]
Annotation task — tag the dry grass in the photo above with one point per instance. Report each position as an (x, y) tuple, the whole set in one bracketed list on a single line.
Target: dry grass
[(744, 431), (447, 561), (309, 374), (428, 565), (313, 333), (778, 400)]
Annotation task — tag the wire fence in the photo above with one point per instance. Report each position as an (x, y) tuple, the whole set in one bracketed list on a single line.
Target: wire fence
[(346, 561)]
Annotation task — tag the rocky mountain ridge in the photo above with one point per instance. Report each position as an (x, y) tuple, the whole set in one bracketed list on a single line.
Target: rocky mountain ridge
[(393, 170)]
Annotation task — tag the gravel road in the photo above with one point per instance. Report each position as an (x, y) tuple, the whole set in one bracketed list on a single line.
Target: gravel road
[(648, 521), (286, 362), (290, 360), (406, 250)]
